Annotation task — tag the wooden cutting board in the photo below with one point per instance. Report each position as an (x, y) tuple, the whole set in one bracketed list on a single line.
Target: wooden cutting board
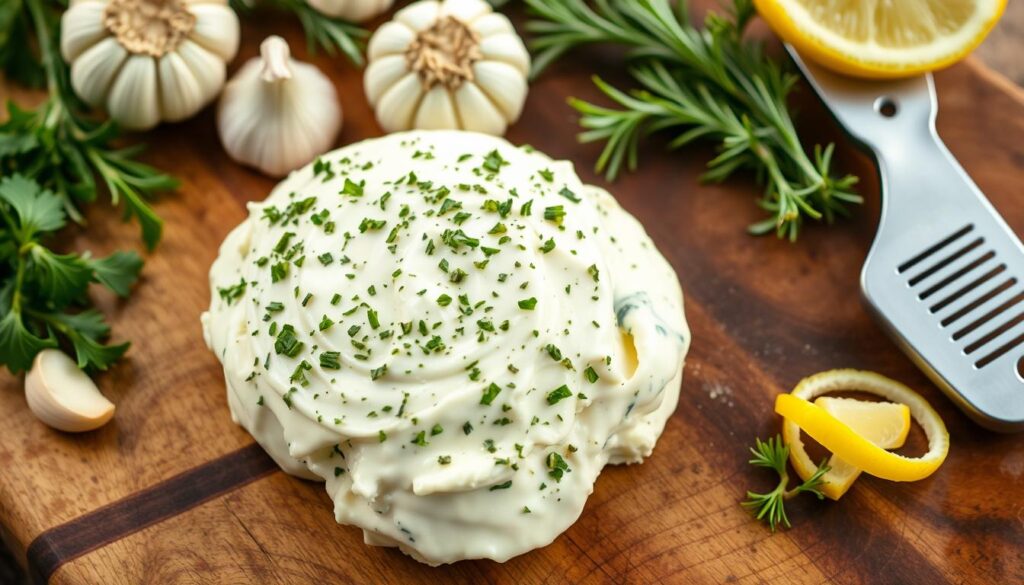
[(172, 492)]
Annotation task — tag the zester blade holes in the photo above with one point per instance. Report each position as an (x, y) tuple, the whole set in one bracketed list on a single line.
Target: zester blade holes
[(886, 106)]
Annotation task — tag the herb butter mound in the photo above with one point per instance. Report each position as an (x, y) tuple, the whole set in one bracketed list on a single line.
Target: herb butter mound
[(453, 333)]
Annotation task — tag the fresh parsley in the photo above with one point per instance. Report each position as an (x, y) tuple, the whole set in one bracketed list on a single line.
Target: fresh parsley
[(44, 295)]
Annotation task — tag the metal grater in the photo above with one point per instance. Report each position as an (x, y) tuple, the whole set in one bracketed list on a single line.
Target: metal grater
[(945, 274)]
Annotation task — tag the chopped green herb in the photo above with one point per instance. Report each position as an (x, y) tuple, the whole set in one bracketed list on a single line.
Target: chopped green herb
[(490, 393), (494, 162), (330, 360), (352, 188), (287, 343), (557, 466), (556, 395)]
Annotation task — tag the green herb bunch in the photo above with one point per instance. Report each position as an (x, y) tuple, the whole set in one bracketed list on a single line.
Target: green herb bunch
[(43, 293), (54, 159), (770, 507), (325, 32), (707, 83)]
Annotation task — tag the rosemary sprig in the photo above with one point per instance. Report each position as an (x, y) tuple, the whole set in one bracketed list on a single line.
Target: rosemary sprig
[(770, 506), (705, 83), (329, 34)]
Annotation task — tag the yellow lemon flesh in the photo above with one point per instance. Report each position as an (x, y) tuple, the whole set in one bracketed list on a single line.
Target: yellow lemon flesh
[(850, 431), (882, 38), (885, 424)]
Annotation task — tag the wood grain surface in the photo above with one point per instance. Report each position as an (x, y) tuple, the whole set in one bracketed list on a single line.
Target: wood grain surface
[(764, 313)]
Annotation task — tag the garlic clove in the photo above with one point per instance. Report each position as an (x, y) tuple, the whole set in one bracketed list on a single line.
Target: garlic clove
[(208, 69), (180, 92), (62, 396), (507, 48), (465, 10), (133, 96), (382, 74), (436, 111), (494, 23), (93, 70), (419, 15), (81, 27), (216, 29), (396, 107), (503, 84), (392, 38), (477, 112)]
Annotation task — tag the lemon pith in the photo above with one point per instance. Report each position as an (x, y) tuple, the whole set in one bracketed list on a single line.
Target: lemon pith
[(882, 39)]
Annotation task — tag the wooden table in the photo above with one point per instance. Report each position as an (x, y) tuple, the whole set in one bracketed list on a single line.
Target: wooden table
[(172, 492)]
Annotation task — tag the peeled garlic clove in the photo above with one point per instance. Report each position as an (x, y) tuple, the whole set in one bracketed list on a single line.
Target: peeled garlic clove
[(62, 395), (278, 114), (451, 64)]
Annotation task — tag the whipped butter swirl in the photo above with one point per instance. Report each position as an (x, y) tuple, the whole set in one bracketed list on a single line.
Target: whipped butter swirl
[(453, 333)]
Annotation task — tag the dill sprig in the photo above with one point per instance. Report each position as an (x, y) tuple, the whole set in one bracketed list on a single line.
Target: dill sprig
[(707, 83), (327, 33), (770, 506)]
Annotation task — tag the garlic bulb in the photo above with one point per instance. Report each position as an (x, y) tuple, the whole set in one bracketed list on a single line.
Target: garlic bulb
[(62, 396), (148, 61), (277, 114), (449, 64), (351, 10)]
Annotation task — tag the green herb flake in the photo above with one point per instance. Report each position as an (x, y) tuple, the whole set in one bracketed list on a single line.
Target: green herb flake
[(558, 394), (330, 360), (489, 394)]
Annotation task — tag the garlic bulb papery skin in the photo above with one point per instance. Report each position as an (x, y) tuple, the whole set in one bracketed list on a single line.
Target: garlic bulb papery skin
[(63, 396), (451, 64), (278, 114), (351, 10), (148, 61)]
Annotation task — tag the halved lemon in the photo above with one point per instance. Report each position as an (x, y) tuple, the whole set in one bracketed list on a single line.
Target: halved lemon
[(848, 430), (882, 38)]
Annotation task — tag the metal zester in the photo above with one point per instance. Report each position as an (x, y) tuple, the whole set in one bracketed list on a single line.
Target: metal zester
[(945, 274)]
